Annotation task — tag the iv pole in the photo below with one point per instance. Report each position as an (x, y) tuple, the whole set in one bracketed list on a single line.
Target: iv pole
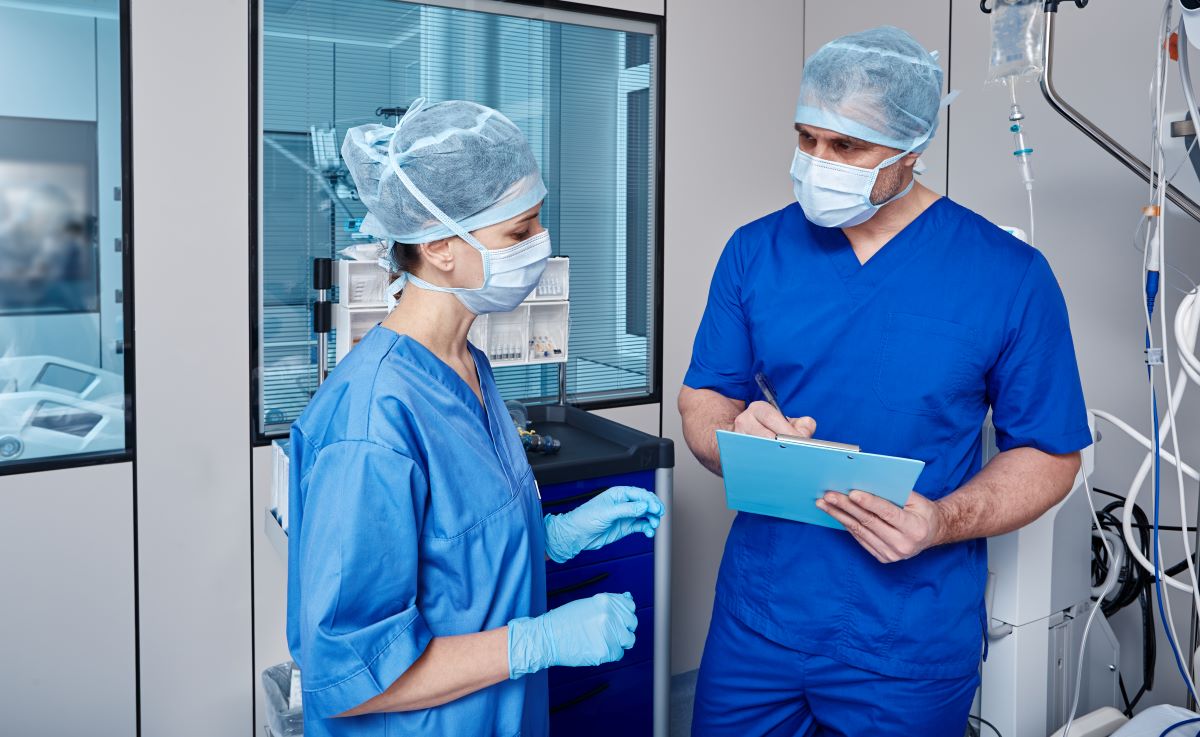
[(1093, 131), (1132, 162)]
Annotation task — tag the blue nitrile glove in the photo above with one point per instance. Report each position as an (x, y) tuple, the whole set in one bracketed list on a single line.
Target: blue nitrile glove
[(585, 632), (619, 511)]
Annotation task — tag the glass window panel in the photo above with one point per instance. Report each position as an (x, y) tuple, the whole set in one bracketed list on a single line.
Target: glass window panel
[(581, 87), (63, 393)]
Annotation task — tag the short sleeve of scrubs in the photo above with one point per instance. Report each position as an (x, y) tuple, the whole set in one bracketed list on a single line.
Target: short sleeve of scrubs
[(359, 625), (722, 358), (1034, 387)]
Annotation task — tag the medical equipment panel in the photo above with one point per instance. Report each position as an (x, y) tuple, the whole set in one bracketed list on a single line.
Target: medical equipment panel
[(51, 406), (75, 381)]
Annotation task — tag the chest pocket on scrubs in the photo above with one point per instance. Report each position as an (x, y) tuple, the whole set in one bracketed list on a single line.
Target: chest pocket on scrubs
[(923, 363)]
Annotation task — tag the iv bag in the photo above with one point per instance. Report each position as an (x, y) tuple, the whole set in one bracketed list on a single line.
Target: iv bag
[(1018, 38)]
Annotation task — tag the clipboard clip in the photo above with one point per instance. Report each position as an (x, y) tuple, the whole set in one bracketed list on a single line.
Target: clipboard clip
[(814, 443)]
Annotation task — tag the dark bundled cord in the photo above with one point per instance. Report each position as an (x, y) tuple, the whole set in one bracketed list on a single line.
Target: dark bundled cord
[(1134, 584), (982, 722)]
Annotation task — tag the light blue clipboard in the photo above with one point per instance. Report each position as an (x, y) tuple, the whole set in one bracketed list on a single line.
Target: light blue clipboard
[(783, 478)]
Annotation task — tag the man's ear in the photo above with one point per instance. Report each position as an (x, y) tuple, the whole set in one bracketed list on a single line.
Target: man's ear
[(910, 160), (438, 254)]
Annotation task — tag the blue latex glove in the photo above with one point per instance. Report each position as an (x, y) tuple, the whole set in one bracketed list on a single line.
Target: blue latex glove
[(584, 632), (619, 511)]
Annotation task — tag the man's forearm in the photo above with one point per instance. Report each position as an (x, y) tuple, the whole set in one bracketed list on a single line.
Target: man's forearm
[(1014, 489), (704, 412)]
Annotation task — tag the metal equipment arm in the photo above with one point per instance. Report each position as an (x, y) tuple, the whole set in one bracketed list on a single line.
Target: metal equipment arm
[(1092, 131)]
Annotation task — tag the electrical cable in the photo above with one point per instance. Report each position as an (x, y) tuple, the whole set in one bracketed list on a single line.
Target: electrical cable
[(1095, 609), (1133, 585), (986, 723), (1177, 725)]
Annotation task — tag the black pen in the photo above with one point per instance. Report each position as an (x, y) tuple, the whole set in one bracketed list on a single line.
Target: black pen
[(764, 385)]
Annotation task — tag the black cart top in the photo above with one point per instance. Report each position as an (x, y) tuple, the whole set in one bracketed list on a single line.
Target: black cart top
[(593, 446)]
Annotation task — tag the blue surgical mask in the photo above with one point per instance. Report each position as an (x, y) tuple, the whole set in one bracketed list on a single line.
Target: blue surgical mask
[(835, 195), (509, 274)]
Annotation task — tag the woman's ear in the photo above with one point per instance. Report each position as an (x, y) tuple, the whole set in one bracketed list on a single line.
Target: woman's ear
[(438, 254)]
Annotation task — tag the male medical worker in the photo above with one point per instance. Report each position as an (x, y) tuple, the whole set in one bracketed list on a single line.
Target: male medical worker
[(892, 318)]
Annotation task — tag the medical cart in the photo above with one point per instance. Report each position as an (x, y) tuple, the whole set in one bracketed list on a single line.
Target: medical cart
[(629, 697)]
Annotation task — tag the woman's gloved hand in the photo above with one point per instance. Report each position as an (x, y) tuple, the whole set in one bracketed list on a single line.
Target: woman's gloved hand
[(585, 632), (619, 511)]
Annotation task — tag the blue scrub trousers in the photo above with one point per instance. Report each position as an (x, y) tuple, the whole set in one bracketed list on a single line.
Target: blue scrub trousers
[(750, 686)]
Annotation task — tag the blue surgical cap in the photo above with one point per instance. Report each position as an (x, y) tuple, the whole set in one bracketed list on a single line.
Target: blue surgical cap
[(879, 85), (470, 161)]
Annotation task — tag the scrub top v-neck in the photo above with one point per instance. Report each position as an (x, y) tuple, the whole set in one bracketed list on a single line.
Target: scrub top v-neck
[(902, 355), (414, 514)]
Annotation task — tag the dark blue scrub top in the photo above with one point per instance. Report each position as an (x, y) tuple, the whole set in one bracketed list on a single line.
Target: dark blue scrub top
[(903, 356), (413, 514)]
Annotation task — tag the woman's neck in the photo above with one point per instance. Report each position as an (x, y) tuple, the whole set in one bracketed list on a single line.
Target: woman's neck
[(436, 320)]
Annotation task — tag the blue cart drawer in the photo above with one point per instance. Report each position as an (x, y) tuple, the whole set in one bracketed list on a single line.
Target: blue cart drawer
[(634, 574), (560, 498), (617, 702), (642, 650)]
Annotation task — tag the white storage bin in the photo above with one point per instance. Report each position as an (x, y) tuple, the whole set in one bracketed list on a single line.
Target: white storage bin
[(508, 336), (548, 331), (352, 324), (361, 284), (556, 281)]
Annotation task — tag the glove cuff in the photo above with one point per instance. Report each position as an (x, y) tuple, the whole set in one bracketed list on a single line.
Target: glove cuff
[(556, 548), (531, 646), (520, 648)]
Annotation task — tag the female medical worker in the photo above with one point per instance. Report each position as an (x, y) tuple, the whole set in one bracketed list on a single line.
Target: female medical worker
[(416, 559)]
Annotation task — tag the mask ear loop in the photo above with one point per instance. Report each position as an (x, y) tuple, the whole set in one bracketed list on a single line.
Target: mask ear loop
[(433, 209)]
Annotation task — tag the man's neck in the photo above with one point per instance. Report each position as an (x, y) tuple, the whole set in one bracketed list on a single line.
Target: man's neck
[(870, 237)]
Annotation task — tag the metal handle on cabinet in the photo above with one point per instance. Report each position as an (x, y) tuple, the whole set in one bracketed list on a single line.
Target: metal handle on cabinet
[(585, 696), (577, 585), (572, 499)]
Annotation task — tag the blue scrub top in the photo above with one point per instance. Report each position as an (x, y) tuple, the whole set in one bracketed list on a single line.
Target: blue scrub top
[(903, 356), (414, 514)]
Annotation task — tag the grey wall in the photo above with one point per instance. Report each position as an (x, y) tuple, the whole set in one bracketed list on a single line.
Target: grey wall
[(67, 619), (190, 127)]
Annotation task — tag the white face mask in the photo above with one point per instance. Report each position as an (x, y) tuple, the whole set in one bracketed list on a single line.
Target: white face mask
[(835, 195), (510, 275)]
